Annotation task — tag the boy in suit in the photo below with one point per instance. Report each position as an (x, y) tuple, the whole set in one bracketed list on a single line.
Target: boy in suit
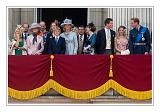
[(56, 43)]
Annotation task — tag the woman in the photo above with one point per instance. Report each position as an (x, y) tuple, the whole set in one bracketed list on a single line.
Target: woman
[(121, 42), (89, 45), (19, 44), (70, 37), (34, 41)]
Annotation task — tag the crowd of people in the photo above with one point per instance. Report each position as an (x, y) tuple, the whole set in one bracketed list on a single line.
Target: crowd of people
[(67, 39)]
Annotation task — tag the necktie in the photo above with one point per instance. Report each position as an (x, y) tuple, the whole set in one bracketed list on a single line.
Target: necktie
[(25, 36), (108, 33), (80, 38), (56, 40), (34, 39)]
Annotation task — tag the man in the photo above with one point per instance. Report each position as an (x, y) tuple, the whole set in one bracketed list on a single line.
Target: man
[(81, 38), (34, 41), (139, 38), (56, 44), (43, 31), (105, 38), (25, 33)]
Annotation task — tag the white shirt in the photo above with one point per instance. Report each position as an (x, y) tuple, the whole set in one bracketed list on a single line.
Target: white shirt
[(56, 37), (108, 38)]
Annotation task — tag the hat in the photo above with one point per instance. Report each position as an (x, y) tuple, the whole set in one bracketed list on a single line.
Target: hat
[(34, 25), (66, 21)]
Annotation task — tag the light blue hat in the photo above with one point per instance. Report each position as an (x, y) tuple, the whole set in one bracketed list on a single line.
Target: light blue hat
[(66, 21)]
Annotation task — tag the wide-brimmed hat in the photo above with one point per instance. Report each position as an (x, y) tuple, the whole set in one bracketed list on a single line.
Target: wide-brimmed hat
[(67, 21), (34, 25)]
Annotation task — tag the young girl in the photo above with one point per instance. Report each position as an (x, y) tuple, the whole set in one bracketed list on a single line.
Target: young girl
[(121, 42)]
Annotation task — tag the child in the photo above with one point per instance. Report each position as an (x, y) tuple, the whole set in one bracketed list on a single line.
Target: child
[(56, 43)]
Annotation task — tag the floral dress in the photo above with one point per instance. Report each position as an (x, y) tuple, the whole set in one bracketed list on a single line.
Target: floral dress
[(121, 44)]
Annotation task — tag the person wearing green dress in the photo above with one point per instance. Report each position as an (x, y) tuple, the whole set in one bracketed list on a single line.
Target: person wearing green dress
[(18, 51), (20, 43)]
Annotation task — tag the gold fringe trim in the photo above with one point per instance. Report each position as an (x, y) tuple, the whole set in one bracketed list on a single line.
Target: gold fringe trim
[(23, 95), (81, 94), (138, 95), (26, 95)]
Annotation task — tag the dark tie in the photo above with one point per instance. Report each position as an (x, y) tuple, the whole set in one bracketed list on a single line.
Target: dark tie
[(25, 36), (34, 39), (80, 38)]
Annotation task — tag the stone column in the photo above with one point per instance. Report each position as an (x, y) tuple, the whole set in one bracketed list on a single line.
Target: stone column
[(14, 18), (95, 16), (28, 15), (20, 16)]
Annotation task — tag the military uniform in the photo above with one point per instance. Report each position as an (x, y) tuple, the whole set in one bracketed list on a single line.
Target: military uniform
[(139, 40)]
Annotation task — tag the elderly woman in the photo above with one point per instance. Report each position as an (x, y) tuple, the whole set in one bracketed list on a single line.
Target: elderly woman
[(70, 37), (18, 46), (35, 42)]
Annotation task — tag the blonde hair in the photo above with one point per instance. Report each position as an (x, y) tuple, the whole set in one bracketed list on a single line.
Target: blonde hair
[(20, 28), (124, 34), (57, 28), (56, 22)]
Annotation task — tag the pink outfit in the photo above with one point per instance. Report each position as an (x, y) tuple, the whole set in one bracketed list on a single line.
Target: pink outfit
[(37, 47), (121, 44)]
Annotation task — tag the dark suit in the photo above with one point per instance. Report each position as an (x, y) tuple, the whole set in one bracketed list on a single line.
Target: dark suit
[(56, 47), (84, 40), (24, 36), (49, 34), (101, 41), (139, 49)]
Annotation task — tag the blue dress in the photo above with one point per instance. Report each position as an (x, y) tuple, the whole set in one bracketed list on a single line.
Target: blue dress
[(89, 44), (71, 42)]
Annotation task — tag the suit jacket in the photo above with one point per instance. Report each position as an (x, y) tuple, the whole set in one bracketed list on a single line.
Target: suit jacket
[(84, 40), (101, 41), (56, 48), (24, 36), (49, 34), (139, 49)]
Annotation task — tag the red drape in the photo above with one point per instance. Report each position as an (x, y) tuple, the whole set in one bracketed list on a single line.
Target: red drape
[(133, 71), (80, 72)]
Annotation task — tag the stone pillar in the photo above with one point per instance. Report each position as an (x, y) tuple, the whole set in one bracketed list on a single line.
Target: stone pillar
[(14, 18), (28, 15), (95, 16), (20, 16)]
